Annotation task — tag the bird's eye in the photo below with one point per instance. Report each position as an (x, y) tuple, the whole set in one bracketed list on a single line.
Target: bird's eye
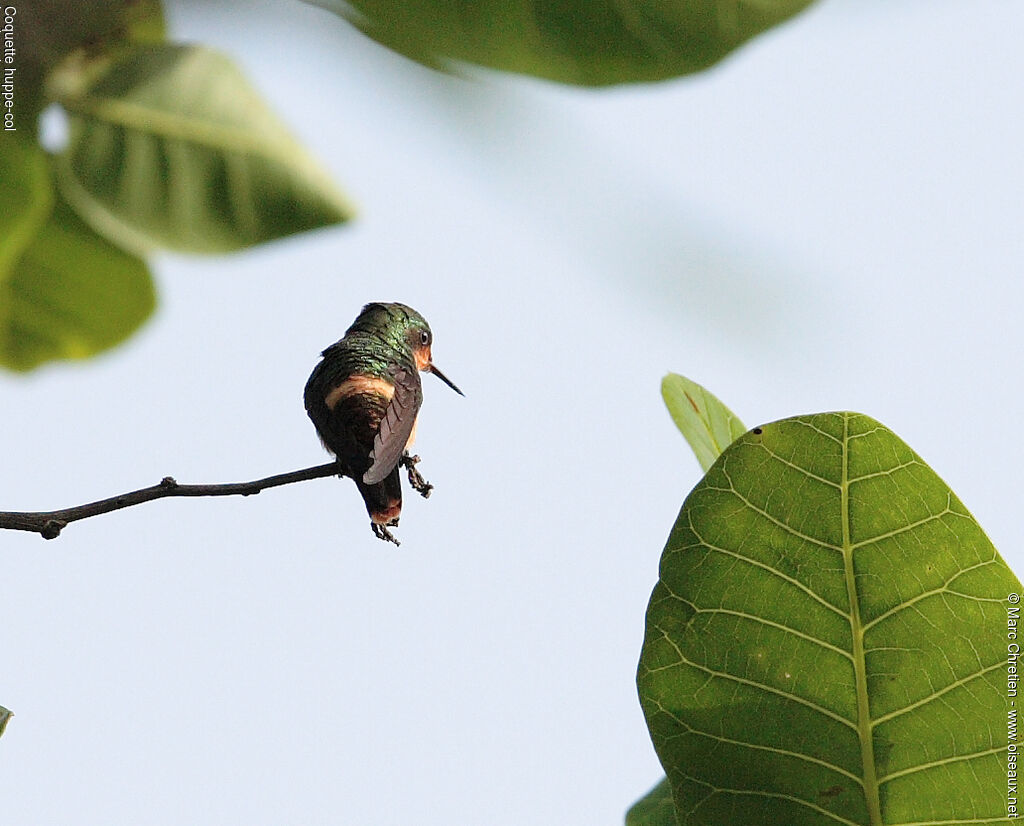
[(424, 338)]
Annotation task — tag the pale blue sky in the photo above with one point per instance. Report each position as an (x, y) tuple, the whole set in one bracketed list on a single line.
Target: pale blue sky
[(829, 220)]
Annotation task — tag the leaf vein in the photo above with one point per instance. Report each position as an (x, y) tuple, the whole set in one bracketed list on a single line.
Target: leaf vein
[(775, 520), (889, 472), (770, 624), (943, 589), (765, 566), (724, 675), (935, 694), (761, 747), (760, 793), (904, 528), (956, 758), (801, 470)]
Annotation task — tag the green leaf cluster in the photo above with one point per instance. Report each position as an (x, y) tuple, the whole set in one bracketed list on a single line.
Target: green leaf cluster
[(587, 42), (169, 147), (826, 640)]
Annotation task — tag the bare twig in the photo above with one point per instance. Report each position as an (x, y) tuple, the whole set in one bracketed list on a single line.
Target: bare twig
[(49, 524)]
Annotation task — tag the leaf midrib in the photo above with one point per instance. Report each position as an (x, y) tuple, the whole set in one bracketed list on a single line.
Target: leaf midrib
[(867, 748), (173, 126)]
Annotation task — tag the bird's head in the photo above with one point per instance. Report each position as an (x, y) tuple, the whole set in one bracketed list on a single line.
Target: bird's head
[(404, 327)]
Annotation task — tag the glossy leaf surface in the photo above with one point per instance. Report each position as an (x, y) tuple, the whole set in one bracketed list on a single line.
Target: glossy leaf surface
[(581, 42), (827, 639), (171, 147)]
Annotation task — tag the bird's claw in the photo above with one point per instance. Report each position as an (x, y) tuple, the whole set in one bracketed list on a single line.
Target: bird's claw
[(383, 533), (416, 480)]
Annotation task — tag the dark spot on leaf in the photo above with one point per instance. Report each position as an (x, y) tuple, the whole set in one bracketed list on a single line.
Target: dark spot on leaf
[(758, 431), (832, 791)]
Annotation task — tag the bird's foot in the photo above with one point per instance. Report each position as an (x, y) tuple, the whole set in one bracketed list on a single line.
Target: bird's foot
[(416, 480), (383, 533)]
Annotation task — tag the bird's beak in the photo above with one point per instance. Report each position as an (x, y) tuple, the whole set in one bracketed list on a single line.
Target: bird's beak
[(432, 369)]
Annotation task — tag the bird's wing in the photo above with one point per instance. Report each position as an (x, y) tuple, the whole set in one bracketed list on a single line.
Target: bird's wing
[(396, 425)]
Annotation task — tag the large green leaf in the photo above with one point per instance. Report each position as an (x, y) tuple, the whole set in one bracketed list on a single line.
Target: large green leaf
[(171, 147), (590, 42), (708, 425), (654, 809), (69, 294), (827, 639)]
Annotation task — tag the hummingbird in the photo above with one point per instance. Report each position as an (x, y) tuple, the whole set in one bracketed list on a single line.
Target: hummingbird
[(364, 398)]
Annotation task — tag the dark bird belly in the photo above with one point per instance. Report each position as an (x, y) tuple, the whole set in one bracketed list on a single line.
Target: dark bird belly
[(347, 424)]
